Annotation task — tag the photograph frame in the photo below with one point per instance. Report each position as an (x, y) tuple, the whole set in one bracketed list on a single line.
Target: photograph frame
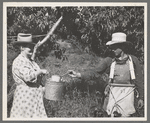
[(4, 87)]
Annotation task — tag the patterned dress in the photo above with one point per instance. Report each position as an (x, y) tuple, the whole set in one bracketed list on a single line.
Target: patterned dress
[(28, 101)]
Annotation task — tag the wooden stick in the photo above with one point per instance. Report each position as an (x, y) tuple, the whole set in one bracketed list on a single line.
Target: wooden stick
[(47, 36), (51, 31)]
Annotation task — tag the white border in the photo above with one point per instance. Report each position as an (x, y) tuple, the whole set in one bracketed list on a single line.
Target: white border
[(53, 4)]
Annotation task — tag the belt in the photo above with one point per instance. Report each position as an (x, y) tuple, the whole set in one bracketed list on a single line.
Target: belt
[(30, 84), (34, 85)]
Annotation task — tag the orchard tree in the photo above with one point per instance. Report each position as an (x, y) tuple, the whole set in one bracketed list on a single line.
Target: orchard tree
[(91, 25)]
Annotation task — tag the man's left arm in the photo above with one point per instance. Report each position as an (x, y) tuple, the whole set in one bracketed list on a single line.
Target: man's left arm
[(139, 81)]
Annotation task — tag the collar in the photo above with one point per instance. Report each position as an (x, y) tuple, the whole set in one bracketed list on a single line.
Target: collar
[(26, 57), (122, 61)]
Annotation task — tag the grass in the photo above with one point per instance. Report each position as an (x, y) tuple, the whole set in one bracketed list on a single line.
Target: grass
[(74, 104), (79, 105)]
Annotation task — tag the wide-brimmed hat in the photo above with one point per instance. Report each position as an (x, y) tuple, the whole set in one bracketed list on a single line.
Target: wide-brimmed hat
[(118, 37), (23, 38)]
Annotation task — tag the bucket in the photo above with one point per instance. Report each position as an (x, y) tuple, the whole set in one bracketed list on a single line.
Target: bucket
[(54, 89)]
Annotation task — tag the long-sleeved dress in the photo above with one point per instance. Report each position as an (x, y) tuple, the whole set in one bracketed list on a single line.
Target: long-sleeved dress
[(28, 96)]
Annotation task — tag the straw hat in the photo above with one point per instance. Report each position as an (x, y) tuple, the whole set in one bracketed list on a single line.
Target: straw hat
[(23, 38), (118, 37)]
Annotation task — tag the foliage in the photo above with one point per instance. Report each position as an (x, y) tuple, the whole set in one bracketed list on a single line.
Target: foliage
[(92, 26)]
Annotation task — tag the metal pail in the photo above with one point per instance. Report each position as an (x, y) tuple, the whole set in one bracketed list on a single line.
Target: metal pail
[(54, 90)]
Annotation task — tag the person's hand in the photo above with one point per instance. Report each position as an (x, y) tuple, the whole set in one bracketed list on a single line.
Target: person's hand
[(63, 79), (43, 88), (140, 103), (73, 73), (44, 71), (107, 89)]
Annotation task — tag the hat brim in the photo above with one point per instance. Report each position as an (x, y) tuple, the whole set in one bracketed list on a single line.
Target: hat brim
[(22, 43), (114, 42)]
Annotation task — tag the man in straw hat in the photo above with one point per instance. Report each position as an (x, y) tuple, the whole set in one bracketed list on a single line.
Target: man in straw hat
[(28, 96), (125, 75)]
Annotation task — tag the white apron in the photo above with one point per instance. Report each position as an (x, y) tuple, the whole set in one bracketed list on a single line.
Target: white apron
[(121, 98)]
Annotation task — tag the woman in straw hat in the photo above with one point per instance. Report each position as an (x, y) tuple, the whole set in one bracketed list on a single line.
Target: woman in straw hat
[(28, 96), (125, 76)]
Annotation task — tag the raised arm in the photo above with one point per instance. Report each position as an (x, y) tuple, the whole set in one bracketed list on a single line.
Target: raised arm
[(93, 73)]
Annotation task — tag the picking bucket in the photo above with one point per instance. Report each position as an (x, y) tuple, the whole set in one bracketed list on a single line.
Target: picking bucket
[(54, 90)]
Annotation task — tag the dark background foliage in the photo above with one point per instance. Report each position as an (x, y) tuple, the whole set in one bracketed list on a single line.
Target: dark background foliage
[(92, 26)]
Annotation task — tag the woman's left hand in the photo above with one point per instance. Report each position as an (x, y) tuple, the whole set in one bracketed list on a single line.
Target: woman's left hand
[(43, 88), (44, 71)]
